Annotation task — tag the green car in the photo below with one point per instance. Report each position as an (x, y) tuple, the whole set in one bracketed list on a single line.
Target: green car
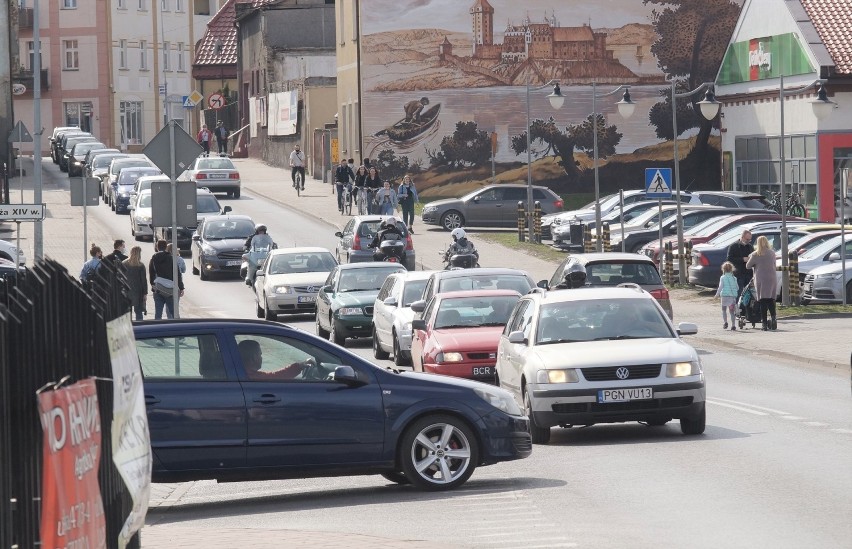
[(345, 302)]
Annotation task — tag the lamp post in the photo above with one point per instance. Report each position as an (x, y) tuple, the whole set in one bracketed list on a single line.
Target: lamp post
[(709, 109), (556, 100), (822, 107)]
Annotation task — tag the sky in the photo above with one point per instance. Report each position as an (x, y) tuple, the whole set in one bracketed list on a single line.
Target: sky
[(454, 15)]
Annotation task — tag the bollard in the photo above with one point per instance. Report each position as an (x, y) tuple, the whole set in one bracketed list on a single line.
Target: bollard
[(588, 247), (795, 287), (521, 225), (607, 244), (537, 222), (668, 268), (687, 249)]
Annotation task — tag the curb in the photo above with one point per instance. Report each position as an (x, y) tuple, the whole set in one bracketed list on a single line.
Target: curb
[(777, 354), (816, 316)]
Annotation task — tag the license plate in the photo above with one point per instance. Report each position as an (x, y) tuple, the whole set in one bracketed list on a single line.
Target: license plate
[(483, 371), (217, 176), (307, 299), (234, 263), (625, 395)]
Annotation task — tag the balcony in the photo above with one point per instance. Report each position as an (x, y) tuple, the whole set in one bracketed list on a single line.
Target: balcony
[(25, 18), (25, 76)]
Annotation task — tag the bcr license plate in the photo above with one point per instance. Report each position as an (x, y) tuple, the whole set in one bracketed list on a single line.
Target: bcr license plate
[(625, 395), (233, 263), (307, 299), (483, 371)]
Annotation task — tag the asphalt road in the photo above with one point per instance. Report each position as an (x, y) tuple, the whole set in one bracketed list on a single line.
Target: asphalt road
[(772, 469)]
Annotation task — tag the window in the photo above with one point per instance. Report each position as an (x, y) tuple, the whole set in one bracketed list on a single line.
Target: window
[(130, 113), (143, 5), (201, 7), (69, 4), (72, 56), (164, 5), (143, 55), (167, 56), (179, 5), (122, 54), (272, 359), (181, 60), (31, 49), (122, 4), (190, 358)]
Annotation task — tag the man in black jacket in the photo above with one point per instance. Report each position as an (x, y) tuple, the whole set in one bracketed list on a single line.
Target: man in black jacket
[(117, 255), (738, 253), (342, 176), (160, 273)]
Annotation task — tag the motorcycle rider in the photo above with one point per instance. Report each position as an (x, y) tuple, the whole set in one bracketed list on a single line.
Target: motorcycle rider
[(574, 277), (259, 239), (460, 246), (388, 230)]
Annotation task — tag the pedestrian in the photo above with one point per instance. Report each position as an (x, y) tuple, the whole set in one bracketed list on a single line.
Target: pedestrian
[(727, 292), (386, 199), (738, 252), (162, 281), (762, 261), (351, 163), (297, 165), (118, 254), (372, 183), (93, 264), (204, 138), (360, 189), (181, 263), (407, 196), (222, 135), (342, 175), (137, 281)]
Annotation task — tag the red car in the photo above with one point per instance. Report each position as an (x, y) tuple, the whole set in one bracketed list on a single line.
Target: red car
[(458, 333)]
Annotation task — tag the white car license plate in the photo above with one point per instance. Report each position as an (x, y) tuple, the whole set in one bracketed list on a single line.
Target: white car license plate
[(233, 263), (217, 176), (625, 395), (307, 299)]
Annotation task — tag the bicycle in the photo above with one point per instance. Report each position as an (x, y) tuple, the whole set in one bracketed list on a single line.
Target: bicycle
[(347, 200), (298, 183), (793, 207), (361, 199)]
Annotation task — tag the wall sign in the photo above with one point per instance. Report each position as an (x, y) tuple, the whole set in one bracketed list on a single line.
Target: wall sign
[(764, 58)]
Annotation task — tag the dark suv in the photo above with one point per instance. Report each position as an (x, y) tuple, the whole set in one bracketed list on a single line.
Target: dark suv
[(492, 206)]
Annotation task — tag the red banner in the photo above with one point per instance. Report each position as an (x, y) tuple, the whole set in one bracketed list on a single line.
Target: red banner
[(72, 512)]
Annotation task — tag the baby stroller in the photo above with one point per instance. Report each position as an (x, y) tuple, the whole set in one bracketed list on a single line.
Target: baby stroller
[(748, 308)]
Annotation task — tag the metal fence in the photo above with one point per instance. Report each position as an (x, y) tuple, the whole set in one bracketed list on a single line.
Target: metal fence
[(51, 326)]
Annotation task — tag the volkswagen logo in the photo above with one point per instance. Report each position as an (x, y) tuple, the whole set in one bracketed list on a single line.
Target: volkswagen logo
[(622, 373), (312, 289)]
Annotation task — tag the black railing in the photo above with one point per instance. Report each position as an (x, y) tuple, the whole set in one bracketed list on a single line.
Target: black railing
[(51, 326)]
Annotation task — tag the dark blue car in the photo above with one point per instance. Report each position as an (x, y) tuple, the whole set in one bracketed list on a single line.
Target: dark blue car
[(250, 400)]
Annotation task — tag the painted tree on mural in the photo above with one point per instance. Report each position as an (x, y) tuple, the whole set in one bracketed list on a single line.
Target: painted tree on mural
[(693, 37), (391, 166), (468, 146)]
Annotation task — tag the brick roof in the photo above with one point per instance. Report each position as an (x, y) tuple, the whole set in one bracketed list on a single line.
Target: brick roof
[(573, 34), (832, 20), (483, 5), (221, 27)]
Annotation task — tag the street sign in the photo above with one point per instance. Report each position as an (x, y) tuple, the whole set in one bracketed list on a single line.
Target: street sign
[(92, 190), (20, 134), (162, 89), (195, 97), (658, 182), (21, 212), (187, 104), (159, 150), (216, 101), (161, 204), (18, 89)]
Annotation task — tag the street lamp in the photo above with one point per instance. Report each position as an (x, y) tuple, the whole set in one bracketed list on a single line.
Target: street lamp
[(822, 107), (709, 109), (556, 100)]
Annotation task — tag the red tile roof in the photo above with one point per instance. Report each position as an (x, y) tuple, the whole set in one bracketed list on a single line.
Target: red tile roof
[(832, 20), (221, 28)]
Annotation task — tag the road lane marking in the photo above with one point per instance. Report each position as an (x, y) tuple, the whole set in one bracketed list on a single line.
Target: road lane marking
[(842, 431), (815, 424), (735, 407), (792, 418), (765, 409)]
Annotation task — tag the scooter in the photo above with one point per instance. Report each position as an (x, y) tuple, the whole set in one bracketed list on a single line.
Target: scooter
[(252, 260), (392, 251)]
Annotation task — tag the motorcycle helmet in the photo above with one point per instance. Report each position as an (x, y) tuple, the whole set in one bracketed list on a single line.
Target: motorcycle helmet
[(259, 227), (458, 234), (575, 276), (390, 222)]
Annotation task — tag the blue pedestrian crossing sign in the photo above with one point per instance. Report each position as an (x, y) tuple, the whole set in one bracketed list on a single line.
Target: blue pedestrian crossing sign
[(658, 182)]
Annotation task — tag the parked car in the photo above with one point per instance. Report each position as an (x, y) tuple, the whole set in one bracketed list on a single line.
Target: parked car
[(612, 269), (68, 143), (219, 407), (206, 206), (392, 315), (825, 284), (491, 206), (357, 234), (458, 332), (289, 281), (98, 166), (826, 253), (217, 173), (346, 300), (115, 168), (140, 216), (217, 245), (90, 156), (57, 150), (54, 138), (120, 193), (77, 156), (480, 278), (731, 199), (561, 234), (11, 252), (810, 240), (600, 355)]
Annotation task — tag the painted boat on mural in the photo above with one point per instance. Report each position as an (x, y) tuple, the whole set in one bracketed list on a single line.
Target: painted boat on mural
[(407, 130)]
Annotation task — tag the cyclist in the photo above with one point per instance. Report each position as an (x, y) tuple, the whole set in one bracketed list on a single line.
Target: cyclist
[(342, 175), (297, 165), (360, 189)]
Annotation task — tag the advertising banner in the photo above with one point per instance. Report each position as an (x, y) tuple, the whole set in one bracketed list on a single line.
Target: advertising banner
[(72, 512), (764, 58), (131, 443), (283, 113)]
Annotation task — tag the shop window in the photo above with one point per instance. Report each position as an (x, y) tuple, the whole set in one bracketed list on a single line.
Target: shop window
[(130, 113)]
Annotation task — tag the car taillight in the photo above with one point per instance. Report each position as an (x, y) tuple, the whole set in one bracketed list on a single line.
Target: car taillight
[(356, 242), (201, 176), (558, 204), (701, 259), (409, 245), (235, 175), (660, 294)]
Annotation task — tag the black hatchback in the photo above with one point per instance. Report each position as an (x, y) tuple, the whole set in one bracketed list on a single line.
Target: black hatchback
[(254, 400)]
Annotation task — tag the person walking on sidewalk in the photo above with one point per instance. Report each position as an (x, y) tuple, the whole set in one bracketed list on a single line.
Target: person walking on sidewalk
[(204, 138), (407, 196), (222, 135), (738, 252), (137, 282), (297, 165), (372, 183), (727, 292), (762, 261), (162, 283), (386, 199), (181, 263), (117, 256), (342, 176), (92, 265)]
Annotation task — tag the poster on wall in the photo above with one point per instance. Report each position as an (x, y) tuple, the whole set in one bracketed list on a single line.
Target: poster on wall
[(440, 76), (283, 113), (253, 119), (72, 512)]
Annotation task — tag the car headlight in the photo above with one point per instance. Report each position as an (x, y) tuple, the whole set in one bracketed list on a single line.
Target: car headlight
[(830, 276), (143, 218), (283, 290), (449, 357), (500, 399), (568, 375), (350, 311), (429, 209), (207, 249), (124, 194), (683, 369)]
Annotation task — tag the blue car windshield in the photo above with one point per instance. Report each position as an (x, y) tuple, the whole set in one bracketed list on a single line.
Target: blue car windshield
[(228, 228)]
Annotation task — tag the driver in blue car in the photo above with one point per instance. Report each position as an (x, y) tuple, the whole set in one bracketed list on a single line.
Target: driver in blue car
[(252, 356)]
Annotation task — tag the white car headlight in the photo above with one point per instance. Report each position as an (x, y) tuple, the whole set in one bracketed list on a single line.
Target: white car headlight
[(500, 399), (143, 218), (350, 311), (207, 249), (683, 369), (830, 276), (283, 290), (568, 375), (450, 357), (427, 209)]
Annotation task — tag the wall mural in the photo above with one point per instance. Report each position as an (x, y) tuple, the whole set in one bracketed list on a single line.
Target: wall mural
[(443, 80)]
